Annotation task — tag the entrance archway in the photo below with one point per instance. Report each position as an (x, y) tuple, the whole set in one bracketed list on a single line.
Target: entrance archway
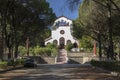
[(62, 42)]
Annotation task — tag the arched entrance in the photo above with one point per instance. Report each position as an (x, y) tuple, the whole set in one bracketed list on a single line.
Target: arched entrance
[(75, 45), (62, 42)]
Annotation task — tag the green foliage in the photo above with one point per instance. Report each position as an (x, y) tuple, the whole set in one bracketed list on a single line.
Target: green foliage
[(86, 42), (95, 22), (3, 65), (43, 51), (78, 29), (108, 65), (49, 50), (19, 62), (22, 50), (22, 19), (51, 46), (36, 50), (54, 52), (11, 63), (31, 51), (15, 62), (93, 16), (69, 46)]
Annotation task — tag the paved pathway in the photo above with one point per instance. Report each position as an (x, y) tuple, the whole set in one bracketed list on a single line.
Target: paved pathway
[(58, 72)]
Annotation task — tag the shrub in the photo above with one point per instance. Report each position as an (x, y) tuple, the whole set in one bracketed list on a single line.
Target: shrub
[(10, 62), (22, 61), (31, 51), (69, 46), (15, 62), (47, 51), (37, 50), (108, 65), (3, 65), (19, 62), (43, 51), (51, 46), (54, 52), (22, 50)]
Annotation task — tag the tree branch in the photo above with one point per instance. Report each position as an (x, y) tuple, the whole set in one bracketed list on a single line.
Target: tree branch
[(117, 8), (115, 5)]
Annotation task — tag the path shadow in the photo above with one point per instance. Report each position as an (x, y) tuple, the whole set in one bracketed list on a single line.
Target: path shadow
[(87, 62), (39, 59), (41, 77), (70, 61), (10, 69)]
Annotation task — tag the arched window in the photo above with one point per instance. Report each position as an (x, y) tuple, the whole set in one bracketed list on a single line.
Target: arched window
[(55, 42), (68, 42), (62, 42)]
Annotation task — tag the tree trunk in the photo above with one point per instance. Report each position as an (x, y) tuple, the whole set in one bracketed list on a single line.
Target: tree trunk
[(9, 53), (16, 51), (100, 49), (9, 43), (110, 31), (3, 25), (1, 46), (1, 40)]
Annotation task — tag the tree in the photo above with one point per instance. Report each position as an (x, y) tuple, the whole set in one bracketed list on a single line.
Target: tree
[(97, 23), (21, 19)]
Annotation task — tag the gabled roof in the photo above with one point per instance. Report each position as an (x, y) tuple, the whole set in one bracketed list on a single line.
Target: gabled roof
[(64, 17), (48, 38), (62, 20)]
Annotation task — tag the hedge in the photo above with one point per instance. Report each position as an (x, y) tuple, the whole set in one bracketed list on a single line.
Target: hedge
[(108, 65), (3, 65)]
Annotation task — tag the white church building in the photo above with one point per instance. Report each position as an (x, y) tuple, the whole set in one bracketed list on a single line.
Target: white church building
[(61, 32)]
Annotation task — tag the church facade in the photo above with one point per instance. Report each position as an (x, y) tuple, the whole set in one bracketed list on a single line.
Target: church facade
[(61, 32)]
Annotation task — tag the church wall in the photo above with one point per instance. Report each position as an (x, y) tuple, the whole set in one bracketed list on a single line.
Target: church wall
[(58, 35), (49, 41), (67, 35)]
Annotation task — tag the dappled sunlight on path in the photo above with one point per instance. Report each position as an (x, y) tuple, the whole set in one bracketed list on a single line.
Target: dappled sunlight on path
[(58, 72)]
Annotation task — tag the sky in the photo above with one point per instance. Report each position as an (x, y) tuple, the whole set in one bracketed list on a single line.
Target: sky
[(60, 8)]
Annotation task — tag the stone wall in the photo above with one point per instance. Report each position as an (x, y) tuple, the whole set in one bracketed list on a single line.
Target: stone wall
[(80, 54), (49, 60), (81, 57), (74, 58), (44, 60)]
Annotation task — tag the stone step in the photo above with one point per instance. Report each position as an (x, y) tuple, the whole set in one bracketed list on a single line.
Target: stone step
[(61, 57)]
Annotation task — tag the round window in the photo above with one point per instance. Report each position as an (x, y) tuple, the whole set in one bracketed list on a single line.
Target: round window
[(62, 32)]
